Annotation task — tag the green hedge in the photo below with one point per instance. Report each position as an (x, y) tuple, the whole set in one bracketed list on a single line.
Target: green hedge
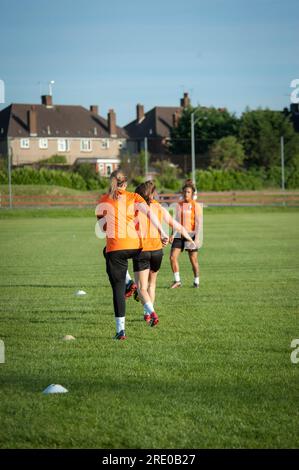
[(224, 180), (206, 180), (74, 180)]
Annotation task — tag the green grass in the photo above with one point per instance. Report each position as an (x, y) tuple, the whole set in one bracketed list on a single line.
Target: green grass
[(215, 372), (40, 189)]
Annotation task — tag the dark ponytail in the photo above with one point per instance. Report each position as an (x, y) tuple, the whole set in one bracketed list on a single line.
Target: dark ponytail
[(146, 190)]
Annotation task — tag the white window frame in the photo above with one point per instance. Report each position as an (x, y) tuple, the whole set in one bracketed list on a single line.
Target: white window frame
[(63, 145), (25, 143), (86, 145), (101, 168), (43, 143), (105, 143)]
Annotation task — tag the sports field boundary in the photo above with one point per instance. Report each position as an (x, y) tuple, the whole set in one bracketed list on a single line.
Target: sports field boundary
[(221, 198)]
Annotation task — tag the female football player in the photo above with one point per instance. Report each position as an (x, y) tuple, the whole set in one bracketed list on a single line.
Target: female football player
[(123, 240), (147, 263), (188, 213)]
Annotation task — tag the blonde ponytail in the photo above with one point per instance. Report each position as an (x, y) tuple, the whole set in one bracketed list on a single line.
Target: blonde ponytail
[(117, 179)]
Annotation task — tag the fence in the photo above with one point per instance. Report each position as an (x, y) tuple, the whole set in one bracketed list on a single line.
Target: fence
[(225, 198)]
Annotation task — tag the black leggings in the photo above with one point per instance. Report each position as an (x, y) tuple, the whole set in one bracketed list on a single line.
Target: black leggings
[(116, 267)]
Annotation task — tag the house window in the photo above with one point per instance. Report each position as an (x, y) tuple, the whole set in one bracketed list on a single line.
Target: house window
[(24, 143), (63, 145), (85, 145), (122, 144), (108, 169), (43, 143), (105, 143)]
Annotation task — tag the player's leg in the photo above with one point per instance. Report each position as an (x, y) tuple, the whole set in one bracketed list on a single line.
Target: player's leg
[(141, 271), (116, 266), (152, 282), (141, 278), (130, 286), (193, 256), (174, 262), (155, 265)]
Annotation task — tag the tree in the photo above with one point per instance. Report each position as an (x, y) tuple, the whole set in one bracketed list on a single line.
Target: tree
[(133, 165), (211, 124), (227, 154), (168, 175), (260, 133)]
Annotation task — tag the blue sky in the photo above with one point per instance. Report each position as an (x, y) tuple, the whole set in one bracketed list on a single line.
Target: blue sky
[(115, 54)]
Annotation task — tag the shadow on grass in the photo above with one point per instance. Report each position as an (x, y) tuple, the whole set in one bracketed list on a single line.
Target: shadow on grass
[(179, 390)]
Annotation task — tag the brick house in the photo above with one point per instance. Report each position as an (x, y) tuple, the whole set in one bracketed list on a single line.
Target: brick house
[(37, 132), (156, 125)]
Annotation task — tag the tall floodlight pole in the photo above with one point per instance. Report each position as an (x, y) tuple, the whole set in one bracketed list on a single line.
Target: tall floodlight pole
[(192, 148), (282, 162), (9, 175), (145, 157)]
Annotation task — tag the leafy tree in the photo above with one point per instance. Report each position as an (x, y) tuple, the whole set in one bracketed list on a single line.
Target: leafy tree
[(55, 159), (227, 154), (93, 180), (210, 125), (168, 175), (86, 170), (260, 133), (133, 165)]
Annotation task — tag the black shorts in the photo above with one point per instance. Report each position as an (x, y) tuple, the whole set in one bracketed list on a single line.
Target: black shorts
[(180, 243), (148, 260)]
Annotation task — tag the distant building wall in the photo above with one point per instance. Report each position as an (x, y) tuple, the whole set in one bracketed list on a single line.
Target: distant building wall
[(34, 153)]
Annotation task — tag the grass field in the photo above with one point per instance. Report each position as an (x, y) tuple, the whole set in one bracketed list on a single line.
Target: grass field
[(216, 371), (39, 189)]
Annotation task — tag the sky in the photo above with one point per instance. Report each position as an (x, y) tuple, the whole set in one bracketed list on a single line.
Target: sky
[(117, 53)]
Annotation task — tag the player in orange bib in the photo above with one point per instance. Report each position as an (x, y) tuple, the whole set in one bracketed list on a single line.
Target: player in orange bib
[(189, 214), (118, 209), (148, 262)]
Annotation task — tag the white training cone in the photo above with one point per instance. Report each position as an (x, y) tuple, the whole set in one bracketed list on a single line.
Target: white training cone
[(68, 338), (80, 292), (55, 388)]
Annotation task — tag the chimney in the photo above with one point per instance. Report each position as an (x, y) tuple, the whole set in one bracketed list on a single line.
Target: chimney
[(175, 119), (47, 101), (139, 112), (32, 121), (94, 109), (112, 123), (185, 101)]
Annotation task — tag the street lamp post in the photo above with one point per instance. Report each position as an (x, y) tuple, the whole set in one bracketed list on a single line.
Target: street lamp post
[(145, 157), (9, 163), (192, 148), (50, 87), (282, 165)]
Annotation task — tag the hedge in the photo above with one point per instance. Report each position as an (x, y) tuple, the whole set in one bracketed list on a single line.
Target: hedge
[(28, 175), (224, 180), (206, 180)]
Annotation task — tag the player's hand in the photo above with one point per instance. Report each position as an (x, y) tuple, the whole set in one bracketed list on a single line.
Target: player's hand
[(165, 240), (171, 238), (193, 245), (197, 242), (102, 223)]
